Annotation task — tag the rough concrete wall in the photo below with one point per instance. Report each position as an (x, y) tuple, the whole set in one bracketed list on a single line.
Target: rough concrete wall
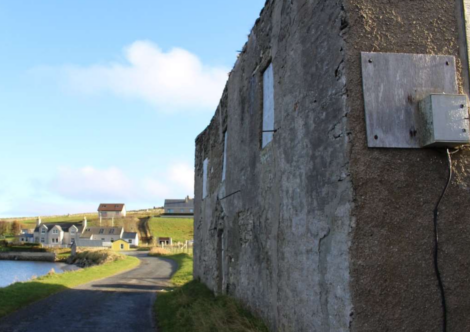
[(394, 287), (281, 244)]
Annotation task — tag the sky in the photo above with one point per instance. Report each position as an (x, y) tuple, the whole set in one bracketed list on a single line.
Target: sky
[(101, 101)]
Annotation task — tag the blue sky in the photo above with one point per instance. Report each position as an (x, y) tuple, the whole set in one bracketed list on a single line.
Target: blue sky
[(101, 101)]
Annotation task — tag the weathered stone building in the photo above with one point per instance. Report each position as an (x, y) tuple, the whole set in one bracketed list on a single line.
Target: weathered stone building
[(294, 214)]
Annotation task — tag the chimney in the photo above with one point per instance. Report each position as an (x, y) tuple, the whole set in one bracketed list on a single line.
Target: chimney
[(84, 224), (39, 221), (187, 199)]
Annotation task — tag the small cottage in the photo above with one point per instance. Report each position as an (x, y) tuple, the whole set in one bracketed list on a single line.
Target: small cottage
[(120, 245), (165, 241), (132, 238)]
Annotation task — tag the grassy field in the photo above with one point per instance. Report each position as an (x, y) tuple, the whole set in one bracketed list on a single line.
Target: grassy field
[(193, 307), (179, 229), (21, 294), (92, 217), (72, 219)]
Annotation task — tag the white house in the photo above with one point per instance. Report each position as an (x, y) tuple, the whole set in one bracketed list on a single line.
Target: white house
[(58, 234), (131, 238), (105, 234), (55, 234), (112, 210)]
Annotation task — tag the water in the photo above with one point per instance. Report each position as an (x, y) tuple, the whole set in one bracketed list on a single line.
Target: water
[(12, 271)]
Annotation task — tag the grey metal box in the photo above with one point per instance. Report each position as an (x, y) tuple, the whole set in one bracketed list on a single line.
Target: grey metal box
[(443, 121), (394, 84)]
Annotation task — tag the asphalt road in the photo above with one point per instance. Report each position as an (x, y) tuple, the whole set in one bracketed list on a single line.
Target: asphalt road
[(120, 303)]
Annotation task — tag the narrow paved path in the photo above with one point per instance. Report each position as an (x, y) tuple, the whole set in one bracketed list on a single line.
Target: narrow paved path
[(122, 303), (144, 230)]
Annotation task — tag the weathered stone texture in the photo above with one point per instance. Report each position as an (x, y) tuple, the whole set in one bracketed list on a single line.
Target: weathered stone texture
[(281, 244), (316, 232)]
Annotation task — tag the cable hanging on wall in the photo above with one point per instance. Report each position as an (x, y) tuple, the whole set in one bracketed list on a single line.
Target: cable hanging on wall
[(436, 242), (230, 195)]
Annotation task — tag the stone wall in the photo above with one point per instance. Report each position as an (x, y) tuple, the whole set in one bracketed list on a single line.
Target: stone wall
[(28, 256), (316, 232), (281, 243)]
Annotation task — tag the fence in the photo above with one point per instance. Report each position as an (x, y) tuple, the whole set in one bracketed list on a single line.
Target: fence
[(177, 248)]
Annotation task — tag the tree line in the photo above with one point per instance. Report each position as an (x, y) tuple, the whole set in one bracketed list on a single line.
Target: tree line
[(10, 227)]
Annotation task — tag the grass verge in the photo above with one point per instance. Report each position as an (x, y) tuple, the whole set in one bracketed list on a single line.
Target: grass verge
[(21, 294), (191, 306)]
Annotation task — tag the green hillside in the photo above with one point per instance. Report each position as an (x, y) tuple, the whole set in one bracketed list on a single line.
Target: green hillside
[(179, 229)]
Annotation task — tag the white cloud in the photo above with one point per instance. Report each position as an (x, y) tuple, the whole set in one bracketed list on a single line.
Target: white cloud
[(155, 188), (171, 80), (183, 175), (112, 184), (91, 183)]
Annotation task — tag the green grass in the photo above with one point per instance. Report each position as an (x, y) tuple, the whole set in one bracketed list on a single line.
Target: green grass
[(179, 229), (9, 238), (191, 306), (184, 274), (92, 217), (21, 294), (62, 257), (71, 219)]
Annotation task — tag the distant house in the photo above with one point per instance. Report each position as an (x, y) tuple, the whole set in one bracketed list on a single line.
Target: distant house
[(104, 234), (26, 238), (131, 238), (55, 234), (179, 206), (112, 210), (165, 241), (64, 234), (120, 245)]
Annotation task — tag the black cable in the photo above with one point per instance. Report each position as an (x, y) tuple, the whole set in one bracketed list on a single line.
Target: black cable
[(436, 245), (221, 199)]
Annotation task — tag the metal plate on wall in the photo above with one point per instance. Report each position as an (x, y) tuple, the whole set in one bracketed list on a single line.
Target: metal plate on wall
[(393, 85)]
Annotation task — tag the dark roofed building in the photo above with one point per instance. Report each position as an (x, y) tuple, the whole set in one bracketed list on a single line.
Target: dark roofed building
[(179, 206), (132, 238), (26, 238), (61, 226), (58, 233), (106, 234)]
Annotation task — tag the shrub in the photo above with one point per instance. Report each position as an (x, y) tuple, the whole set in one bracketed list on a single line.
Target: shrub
[(156, 251), (94, 257)]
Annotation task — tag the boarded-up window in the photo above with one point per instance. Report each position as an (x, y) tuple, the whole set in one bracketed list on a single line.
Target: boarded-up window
[(205, 165), (224, 169), (268, 106)]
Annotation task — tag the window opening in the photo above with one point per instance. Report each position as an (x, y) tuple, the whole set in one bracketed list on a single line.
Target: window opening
[(205, 166), (224, 169), (268, 106)]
